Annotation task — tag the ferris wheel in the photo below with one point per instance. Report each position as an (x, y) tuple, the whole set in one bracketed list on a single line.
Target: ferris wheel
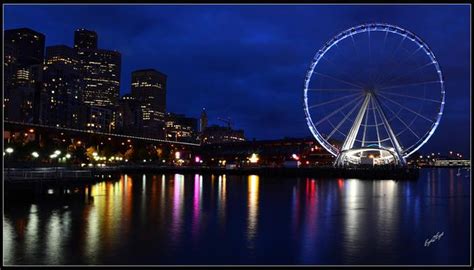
[(373, 92)]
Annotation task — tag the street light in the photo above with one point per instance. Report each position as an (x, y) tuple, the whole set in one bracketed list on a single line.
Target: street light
[(9, 150), (68, 155), (253, 158), (57, 152), (35, 154)]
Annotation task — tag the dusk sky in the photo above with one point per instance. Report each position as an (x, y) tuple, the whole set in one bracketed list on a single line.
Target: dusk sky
[(248, 62)]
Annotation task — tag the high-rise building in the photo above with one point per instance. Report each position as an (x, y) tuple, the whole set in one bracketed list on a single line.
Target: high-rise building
[(129, 118), (28, 46), (63, 89), (100, 68), (23, 58), (85, 39), (149, 89), (180, 128)]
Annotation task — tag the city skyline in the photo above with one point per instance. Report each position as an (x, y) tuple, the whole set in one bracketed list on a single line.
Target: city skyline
[(252, 110)]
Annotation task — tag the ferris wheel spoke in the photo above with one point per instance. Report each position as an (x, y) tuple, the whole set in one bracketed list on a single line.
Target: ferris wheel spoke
[(376, 124), (371, 142), (338, 66), (370, 51), (365, 126), (332, 101), (353, 43), (403, 122), (341, 122), (390, 74), (391, 59), (339, 80), (408, 96), (334, 89), (396, 144), (405, 107), (408, 84), (340, 132), (338, 110), (411, 72)]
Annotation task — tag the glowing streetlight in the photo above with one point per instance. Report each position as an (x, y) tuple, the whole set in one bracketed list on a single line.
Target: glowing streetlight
[(68, 155), (253, 158), (57, 152), (35, 154), (9, 150), (94, 154)]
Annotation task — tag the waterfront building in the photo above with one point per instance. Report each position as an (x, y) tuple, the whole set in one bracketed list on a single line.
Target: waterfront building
[(307, 151), (218, 134), (180, 128), (452, 163), (23, 60), (149, 89)]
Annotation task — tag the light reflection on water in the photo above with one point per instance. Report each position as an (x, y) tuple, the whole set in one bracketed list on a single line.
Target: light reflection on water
[(252, 216), (225, 219)]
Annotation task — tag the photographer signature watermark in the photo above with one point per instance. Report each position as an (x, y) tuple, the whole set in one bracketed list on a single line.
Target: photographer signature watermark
[(434, 238)]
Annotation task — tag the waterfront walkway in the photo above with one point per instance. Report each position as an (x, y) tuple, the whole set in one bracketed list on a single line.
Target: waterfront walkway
[(62, 173)]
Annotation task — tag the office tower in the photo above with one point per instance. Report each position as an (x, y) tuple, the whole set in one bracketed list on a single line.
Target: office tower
[(100, 68), (85, 39), (23, 58), (28, 46), (149, 89), (63, 89)]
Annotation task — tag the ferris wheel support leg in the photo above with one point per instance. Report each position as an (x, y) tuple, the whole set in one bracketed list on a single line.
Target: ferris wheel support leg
[(391, 134), (349, 142)]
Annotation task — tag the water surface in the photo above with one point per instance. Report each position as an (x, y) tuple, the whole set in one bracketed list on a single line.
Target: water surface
[(223, 219)]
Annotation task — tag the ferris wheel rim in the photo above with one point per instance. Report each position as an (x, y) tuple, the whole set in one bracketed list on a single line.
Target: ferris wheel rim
[(380, 27)]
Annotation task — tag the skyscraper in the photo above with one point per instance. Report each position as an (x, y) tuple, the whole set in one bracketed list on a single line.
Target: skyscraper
[(23, 58), (149, 89), (28, 46), (63, 88), (85, 39), (100, 68)]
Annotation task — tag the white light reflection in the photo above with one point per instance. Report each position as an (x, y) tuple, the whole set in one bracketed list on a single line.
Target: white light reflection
[(252, 218)]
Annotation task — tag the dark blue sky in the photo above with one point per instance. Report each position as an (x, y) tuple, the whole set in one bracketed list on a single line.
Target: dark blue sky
[(248, 62)]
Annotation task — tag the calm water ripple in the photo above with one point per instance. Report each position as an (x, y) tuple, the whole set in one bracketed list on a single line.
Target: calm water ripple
[(223, 219)]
